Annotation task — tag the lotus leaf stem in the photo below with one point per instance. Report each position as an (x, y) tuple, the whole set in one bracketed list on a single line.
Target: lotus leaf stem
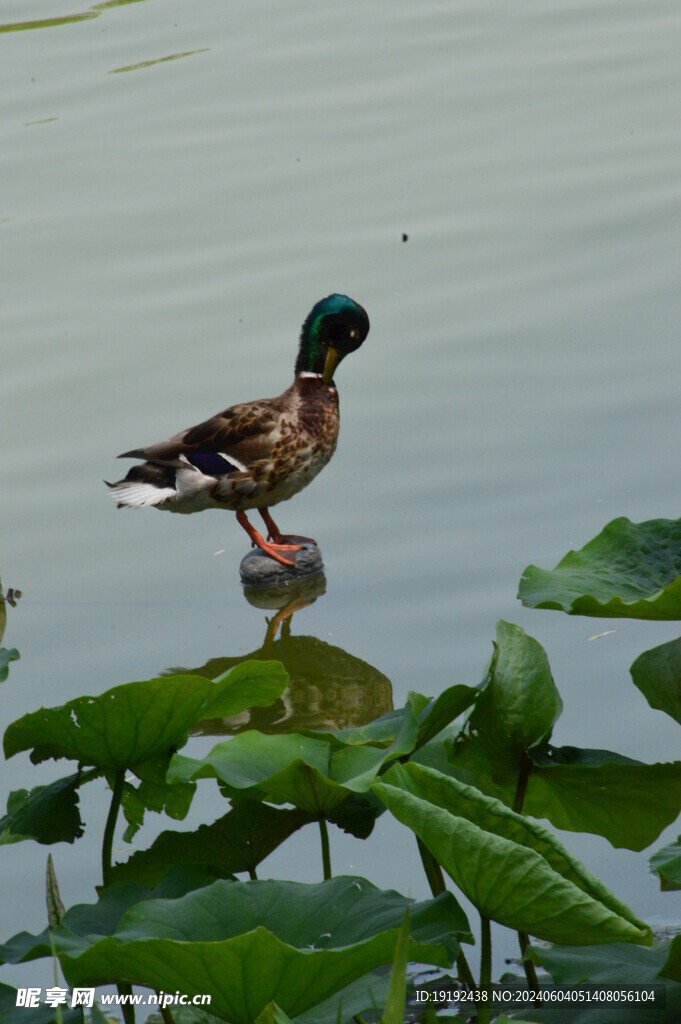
[(110, 827), (523, 937), (326, 853), (436, 881), (485, 1004)]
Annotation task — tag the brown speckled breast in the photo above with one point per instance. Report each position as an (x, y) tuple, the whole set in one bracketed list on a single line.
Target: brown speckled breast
[(318, 411), (307, 437)]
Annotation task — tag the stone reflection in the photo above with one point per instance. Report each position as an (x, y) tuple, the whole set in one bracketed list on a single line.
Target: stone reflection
[(328, 688)]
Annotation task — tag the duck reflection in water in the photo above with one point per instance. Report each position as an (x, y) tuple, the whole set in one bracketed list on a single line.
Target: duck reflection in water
[(328, 688)]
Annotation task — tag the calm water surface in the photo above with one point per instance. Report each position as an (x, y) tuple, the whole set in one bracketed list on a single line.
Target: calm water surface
[(179, 184)]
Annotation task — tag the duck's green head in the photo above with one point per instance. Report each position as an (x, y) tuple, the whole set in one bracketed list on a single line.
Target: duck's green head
[(335, 326)]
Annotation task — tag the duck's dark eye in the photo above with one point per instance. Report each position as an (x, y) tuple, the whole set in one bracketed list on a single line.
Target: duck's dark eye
[(338, 331)]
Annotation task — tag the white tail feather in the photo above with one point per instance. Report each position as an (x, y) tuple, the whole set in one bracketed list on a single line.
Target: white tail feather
[(137, 494)]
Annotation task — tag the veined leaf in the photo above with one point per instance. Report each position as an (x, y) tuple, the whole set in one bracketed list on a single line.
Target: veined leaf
[(273, 1014), (11, 1013), (628, 803), (290, 768), (181, 1015), (657, 673), (135, 722), (602, 1013), (511, 868), (397, 993), (614, 965), (48, 814), (237, 842), (250, 944), (250, 684), (407, 728), (602, 965), (667, 864), (520, 704), (441, 711), (154, 794), (578, 790), (369, 992), (7, 655), (672, 965), (85, 922), (630, 570)]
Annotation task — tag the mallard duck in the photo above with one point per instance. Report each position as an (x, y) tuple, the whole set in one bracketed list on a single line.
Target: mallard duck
[(256, 454)]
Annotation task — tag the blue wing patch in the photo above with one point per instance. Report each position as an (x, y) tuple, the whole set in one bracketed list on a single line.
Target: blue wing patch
[(211, 463)]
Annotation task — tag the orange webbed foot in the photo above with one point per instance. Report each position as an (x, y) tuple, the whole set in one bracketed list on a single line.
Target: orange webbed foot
[(284, 539), (273, 549)]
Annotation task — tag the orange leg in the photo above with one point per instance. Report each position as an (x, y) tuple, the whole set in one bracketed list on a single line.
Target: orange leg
[(284, 615), (258, 541), (275, 534)]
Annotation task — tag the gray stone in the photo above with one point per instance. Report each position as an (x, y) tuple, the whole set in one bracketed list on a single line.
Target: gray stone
[(260, 570), (275, 596)]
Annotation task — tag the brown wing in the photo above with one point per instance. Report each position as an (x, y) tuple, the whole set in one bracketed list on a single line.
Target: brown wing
[(243, 431)]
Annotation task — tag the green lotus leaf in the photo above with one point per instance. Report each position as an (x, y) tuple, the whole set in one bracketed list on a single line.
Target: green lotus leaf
[(273, 1014), (47, 814), (672, 965), (249, 944), (630, 570), (357, 814), (602, 965), (85, 922), (344, 1007), (347, 1006), (396, 733), (578, 790), (153, 793), (397, 992), (137, 721), (511, 868), (7, 654), (250, 684), (121, 728), (407, 728), (184, 1015), (289, 768), (602, 1013), (614, 965), (381, 732), (442, 710), (237, 842), (330, 914), (628, 803), (520, 704), (10, 1013), (657, 673), (667, 864)]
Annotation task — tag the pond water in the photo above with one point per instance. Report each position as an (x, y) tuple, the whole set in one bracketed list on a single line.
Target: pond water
[(499, 188)]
